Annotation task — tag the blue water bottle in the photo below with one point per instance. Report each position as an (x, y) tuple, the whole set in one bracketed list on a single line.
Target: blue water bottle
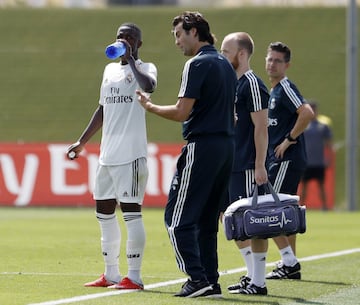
[(115, 50)]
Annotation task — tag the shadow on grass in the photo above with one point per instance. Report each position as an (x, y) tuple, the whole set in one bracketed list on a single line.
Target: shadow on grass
[(269, 299), (239, 299), (325, 282)]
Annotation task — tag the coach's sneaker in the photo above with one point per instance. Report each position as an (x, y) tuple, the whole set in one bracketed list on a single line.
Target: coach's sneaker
[(126, 283), (214, 293), (253, 289), (100, 282), (244, 281), (285, 272), (192, 289)]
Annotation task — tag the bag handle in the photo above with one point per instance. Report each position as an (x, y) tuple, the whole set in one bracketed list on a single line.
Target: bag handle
[(254, 201)]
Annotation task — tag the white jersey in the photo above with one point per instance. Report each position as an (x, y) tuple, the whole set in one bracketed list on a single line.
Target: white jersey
[(124, 136)]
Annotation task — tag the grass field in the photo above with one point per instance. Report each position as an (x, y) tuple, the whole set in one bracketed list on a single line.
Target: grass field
[(47, 254)]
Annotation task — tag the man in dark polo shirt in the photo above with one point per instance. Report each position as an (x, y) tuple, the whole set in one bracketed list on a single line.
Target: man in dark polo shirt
[(289, 115), (251, 143), (205, 106)]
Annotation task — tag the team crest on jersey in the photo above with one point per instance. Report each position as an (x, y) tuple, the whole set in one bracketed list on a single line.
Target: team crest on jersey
[(272, 103), (129, 78)]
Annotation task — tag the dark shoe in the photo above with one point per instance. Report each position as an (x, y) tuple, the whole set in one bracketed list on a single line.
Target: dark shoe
[(244, 281), (214, 293), (285, 272), (253, 289), (192, 289)]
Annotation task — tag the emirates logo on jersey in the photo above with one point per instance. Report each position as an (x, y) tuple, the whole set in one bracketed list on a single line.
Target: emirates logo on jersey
[(129, 78)]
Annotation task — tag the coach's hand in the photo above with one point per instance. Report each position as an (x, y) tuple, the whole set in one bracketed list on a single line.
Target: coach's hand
[(144, 99)]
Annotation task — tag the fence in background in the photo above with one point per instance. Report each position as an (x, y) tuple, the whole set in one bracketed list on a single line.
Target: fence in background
[(39, 174)]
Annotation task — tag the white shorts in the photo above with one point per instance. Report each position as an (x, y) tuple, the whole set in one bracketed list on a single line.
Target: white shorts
[(126, 183)]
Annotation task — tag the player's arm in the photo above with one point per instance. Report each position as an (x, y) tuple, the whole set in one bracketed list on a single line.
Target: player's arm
[(93, 126), (260, 121), (146, 82), (305, 115), (179, 112)]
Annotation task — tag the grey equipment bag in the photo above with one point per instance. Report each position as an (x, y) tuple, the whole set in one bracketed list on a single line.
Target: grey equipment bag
[(264, 216)]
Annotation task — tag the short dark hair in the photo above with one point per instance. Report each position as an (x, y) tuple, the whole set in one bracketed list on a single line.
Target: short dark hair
[(282, 48), (133, 27), (195, 20)]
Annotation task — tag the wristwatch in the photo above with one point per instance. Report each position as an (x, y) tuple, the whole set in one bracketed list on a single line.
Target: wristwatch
[(290, 138)]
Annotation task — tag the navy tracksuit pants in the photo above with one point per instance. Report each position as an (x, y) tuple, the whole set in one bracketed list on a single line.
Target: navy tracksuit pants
[(198, 189)]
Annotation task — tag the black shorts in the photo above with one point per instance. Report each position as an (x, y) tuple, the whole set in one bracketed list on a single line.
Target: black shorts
[(284, 177), (314, 173)]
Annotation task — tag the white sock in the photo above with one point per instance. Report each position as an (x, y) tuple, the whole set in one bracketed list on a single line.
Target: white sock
[(287, 256), (110, 245), (135, 244), (247, 256), (259, 262)]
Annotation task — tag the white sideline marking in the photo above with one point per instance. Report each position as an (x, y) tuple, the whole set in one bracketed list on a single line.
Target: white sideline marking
[(177, 281)]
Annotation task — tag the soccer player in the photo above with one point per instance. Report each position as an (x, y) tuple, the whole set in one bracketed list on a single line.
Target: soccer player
[(289, 115), (205, 106), (318, 138), (251, 143), (122, 171)]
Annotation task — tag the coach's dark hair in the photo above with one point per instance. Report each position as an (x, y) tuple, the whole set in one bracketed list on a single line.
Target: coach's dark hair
[(282, 48), (195, 20)]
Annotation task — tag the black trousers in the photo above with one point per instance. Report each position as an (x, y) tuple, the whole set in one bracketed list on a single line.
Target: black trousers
[(198, 189)]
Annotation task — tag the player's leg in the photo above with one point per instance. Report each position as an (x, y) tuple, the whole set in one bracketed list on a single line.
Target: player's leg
[(131, 181), (216, 189), (180, 218), (304, 189), (192, 211), (186, 202), (259, 249), (323, 196), (257, 283), (242, 186), (217, 185), (285, 179), (110, 238), (135, 245), (321, 183), (246, 253), (109, 227)]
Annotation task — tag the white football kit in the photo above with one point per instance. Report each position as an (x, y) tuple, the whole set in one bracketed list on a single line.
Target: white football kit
[(122, 172)]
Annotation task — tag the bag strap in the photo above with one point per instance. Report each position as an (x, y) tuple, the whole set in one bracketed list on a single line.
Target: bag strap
[(254, 201)]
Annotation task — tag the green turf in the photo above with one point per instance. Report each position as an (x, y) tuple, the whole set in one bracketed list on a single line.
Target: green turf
[(47, 254), (52, 61)]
